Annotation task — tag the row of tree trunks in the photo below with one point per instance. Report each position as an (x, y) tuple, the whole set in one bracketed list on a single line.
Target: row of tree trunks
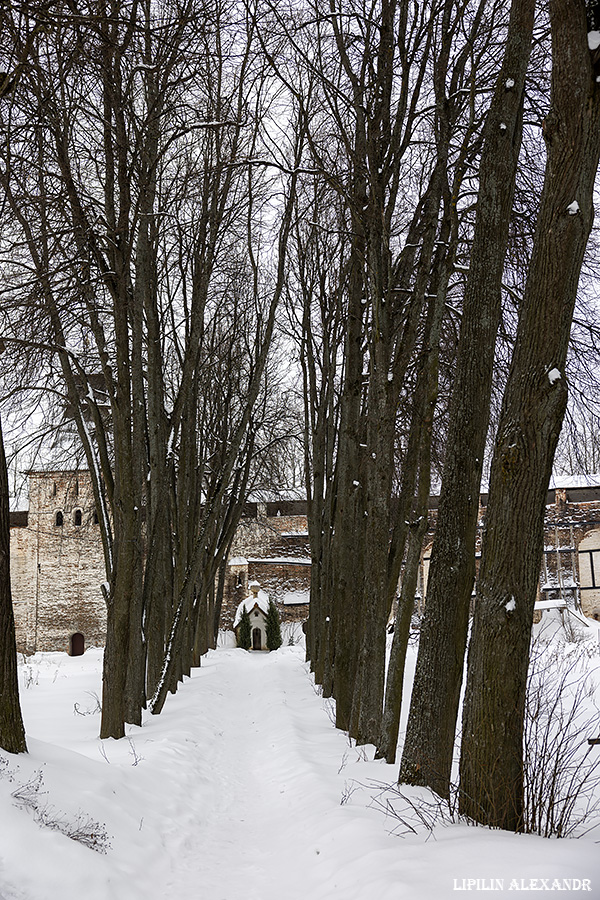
[(491, 765), (321, 270), (358, 564), (415, 490), (429, 743), (138, 194)]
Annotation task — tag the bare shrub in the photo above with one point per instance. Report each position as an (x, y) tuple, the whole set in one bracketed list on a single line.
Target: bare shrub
[(562, 771), (135, 756), (5, 771), (82, 828), (350, 787), (31, 676), (92, 710), (410, 812), (27, 794)]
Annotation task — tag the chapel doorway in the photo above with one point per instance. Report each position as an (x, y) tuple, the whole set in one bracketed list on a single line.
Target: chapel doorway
[(77, 644), (256, 639)]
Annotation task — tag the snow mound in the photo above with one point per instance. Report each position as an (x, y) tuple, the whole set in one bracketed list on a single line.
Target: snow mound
[(241, 789)]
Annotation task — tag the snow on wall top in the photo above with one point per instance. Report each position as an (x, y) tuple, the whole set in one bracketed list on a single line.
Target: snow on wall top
[(568, 482), (281, 560), (296, 598)]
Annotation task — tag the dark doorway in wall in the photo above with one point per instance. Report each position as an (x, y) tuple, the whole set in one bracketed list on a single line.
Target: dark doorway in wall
[(77, 644), (59, 518), (256, 639), (77, 515)]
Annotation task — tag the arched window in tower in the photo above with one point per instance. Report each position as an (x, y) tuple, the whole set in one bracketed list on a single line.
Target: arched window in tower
[(59, 518), (77, 517)]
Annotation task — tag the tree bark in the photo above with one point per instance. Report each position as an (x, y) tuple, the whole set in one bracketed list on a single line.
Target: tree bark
[(491, 766), (12, 732), (428, 748), (417, 460)]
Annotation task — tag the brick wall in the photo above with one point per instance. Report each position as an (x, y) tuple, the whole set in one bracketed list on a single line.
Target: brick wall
[(57, 570)]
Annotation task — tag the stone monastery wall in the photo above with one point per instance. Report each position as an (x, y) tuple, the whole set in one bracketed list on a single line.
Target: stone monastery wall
[(57, 564)]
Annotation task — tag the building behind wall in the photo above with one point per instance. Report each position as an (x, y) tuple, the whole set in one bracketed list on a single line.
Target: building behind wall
[(570, 571), (270, 547), (571, 564)]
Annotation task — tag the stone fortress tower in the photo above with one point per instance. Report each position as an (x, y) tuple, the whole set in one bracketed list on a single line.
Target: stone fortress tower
[(57, 565)]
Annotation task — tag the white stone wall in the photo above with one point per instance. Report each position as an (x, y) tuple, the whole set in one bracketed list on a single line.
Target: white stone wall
[(57, 570)]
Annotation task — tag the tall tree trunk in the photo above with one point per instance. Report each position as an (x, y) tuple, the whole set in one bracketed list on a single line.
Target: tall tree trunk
[(12, 732), (390, 725), (428, 748), (491, 768), (319, 352), (417, 460), (347, 557)]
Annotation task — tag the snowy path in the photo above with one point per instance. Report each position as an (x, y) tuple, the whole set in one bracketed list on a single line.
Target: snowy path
[(243, 834)]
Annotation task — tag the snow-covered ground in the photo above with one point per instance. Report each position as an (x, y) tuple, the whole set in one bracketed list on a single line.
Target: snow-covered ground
[(241, 788)]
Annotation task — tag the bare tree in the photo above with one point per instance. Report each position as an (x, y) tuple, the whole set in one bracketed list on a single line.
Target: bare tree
[(16, 47), (384, 122), (318, 269), (12, 732)]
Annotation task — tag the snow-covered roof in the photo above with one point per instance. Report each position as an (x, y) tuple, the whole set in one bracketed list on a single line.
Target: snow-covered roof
[(568, 482), (296, 598), (237, 561), (574, 481), (262, 601)]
